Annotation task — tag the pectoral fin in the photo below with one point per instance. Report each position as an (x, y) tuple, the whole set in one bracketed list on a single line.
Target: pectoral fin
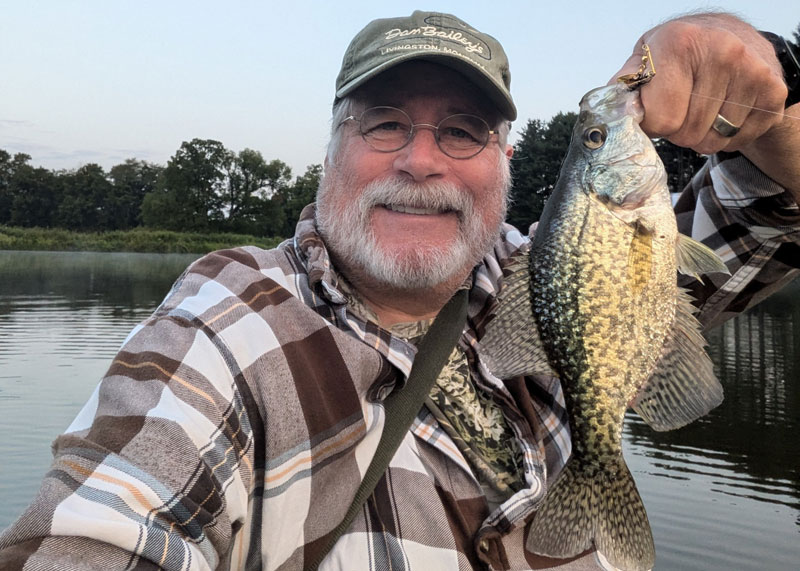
[(683, 387), (511, 345), (694, 258)]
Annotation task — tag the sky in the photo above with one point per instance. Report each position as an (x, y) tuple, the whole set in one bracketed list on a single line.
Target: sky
[(105, 81)]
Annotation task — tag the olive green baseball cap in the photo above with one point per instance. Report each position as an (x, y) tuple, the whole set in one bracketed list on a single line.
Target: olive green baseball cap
[(433, 36)]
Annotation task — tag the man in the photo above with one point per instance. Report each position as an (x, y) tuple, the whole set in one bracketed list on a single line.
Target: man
[(235, 425)]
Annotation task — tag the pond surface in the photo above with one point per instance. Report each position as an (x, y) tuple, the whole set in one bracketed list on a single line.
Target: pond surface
[(722, 493)]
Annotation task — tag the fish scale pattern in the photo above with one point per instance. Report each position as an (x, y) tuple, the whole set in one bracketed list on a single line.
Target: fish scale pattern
[(586, 300)]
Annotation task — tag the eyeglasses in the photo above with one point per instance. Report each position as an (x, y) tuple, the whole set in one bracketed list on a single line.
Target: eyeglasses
[(388, 129)]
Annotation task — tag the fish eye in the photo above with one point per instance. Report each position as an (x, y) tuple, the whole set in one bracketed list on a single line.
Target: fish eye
[(594, 137)]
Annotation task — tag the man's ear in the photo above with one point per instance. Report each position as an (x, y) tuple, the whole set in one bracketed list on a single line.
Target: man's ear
[(509, 151)]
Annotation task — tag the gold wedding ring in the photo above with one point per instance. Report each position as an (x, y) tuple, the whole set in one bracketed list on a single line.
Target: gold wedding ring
[(724, 127)]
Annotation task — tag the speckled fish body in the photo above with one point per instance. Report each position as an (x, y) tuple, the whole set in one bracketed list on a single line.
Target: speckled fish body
[(609, 320)]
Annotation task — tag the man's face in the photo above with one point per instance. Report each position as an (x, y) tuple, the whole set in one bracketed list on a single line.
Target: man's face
[(413, 218)]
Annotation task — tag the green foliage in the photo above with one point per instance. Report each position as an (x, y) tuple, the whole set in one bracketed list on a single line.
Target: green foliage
[(137, 240), (535, 166), (292, 199), (131, 182), (796, 35), (252, 183), (6, 198), (206, 187), (83, 200), (190, 191), (33, 195), (206, 197)]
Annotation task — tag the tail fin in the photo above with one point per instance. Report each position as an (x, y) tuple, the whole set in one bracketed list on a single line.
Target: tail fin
[(604, 509)]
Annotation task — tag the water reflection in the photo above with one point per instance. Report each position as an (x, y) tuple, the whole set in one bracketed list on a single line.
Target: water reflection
[(757, 358), (120, 281), (724, 492)]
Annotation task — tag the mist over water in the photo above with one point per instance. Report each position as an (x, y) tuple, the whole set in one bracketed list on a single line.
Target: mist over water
[(722, 493)]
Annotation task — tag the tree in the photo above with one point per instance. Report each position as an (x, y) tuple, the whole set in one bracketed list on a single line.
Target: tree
[(252, 182), (8, 167), (131, 181), (796, 35), (84, 199), (33, 195), (535, 166), (190, 190), (295, 197)]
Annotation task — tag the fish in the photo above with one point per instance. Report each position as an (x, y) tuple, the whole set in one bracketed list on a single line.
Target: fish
[(596, 303)]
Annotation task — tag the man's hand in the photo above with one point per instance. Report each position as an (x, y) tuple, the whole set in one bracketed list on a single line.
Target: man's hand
[(710, 64)]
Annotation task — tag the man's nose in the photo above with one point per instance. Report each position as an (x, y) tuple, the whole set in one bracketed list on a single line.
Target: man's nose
[(421, 158)]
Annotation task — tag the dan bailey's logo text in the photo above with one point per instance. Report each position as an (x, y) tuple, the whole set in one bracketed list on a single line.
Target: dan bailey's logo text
[(433, 31)]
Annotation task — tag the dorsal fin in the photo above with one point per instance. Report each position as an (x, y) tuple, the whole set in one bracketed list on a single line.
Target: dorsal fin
[(510, 345)]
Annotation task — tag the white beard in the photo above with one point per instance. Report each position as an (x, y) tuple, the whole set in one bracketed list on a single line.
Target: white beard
[(347, 230)]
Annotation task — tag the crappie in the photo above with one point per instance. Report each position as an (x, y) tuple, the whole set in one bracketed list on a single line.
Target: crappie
[(599, 307)]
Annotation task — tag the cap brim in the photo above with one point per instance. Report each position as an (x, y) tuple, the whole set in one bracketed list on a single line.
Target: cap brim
[(496, 93)]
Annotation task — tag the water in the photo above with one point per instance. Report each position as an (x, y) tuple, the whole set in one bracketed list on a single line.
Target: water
[(63, 315), (722, 493)]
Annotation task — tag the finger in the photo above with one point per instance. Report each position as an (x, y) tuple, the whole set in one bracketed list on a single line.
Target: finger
[(727, 129), (666, 98), (666, 101), (750, 105), (717, 117)]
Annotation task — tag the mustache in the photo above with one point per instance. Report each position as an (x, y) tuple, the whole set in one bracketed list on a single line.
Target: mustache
[(443, 196)]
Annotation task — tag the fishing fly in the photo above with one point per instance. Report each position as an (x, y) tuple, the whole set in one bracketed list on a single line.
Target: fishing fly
[(643, 75)]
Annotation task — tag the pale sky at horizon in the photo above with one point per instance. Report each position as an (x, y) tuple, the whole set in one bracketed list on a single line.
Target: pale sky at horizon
[(93, 81)]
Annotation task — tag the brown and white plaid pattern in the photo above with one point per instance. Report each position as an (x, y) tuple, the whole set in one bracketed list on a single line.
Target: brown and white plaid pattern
[(754, 226), (234, 426)]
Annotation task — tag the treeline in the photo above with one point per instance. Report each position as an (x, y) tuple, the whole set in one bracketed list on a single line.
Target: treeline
[(206, 188), (203, 188)]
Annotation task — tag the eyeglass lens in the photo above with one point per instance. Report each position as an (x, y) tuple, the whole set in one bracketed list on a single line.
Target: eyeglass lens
[(390, 129)]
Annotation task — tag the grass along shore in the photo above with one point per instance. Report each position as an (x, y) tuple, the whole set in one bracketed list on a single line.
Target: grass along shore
[(136, 240)]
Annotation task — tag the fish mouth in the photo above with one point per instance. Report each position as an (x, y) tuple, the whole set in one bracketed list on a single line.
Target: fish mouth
[(612, 103)]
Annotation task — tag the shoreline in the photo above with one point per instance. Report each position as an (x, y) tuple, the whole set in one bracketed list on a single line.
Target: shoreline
[(141, 240)]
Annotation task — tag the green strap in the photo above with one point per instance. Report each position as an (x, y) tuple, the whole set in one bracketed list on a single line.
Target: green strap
[(402, 406)]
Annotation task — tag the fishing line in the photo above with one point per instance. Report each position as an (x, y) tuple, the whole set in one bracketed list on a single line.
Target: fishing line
[(647, 71), (793, 117)]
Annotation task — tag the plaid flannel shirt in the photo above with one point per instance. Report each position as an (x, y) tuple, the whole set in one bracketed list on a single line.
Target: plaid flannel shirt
[(234, 425)]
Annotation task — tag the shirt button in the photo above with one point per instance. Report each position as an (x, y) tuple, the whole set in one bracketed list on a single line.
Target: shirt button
[(483, 545)]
